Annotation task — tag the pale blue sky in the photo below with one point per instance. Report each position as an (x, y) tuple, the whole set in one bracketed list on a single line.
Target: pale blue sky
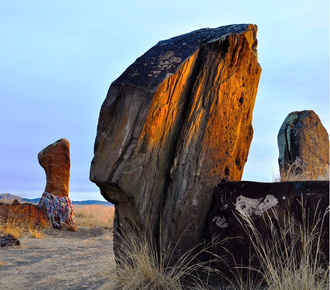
[(58, 59)]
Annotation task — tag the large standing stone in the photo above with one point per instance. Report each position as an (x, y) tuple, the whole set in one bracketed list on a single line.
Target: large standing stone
[(303, 145), (173, 125), (55, 159)]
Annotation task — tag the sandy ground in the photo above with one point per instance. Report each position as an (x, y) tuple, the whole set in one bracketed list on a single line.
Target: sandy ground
[(60, 260)]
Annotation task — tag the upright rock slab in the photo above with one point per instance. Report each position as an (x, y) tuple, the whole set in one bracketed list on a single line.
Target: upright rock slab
[(303, 145), (173, 125), (55, 160)]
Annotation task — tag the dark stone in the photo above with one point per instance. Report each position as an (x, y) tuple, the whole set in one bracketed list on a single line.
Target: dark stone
[(9, 240), (258, 200)]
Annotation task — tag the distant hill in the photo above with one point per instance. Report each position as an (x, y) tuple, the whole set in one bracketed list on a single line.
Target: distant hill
[(10, 197)]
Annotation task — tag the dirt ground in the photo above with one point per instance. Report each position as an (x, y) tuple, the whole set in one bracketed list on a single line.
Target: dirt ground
[(60, 260)]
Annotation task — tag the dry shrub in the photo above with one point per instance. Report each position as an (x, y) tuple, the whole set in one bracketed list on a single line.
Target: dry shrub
[(141, 267), (94, 215), (2, 263), (17, 219)]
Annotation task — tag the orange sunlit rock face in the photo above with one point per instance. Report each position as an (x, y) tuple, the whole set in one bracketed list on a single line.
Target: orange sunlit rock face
[(176, 123), (55, 160)]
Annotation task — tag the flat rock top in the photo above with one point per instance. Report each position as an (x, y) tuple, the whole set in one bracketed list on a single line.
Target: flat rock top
[(162, 60)]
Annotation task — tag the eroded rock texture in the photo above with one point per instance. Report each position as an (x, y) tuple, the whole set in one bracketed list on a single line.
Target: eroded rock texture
[(173, 125), (55, 160), (288, 204), (303, 145)]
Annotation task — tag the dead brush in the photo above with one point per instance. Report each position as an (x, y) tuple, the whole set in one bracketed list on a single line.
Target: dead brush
[(18, 219)]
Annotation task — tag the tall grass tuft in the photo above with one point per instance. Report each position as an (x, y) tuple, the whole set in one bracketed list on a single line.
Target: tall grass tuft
[(17, 223), (141, 266), (291, 256)]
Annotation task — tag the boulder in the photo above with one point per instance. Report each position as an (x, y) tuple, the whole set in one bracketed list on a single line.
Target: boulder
[(306, 202), (9, 240), (173, 125), (55, 160), (303, 145)]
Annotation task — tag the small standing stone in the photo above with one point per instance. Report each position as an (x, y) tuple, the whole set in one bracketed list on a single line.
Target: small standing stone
[(303, 143), (55, 159)]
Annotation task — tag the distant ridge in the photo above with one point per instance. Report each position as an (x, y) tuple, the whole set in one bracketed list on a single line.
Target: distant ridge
[(10, 197)]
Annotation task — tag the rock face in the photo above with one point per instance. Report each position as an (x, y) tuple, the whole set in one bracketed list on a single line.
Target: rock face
[(303, 145), (261, 201), (55, 159), (173, 125)]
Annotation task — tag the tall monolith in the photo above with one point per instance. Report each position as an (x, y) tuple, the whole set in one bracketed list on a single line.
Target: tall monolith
[(176, 123)]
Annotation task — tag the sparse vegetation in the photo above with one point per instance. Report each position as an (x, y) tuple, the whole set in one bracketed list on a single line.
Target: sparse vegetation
[(141, 266), (94, 215), (17, 220), (290, 258), (296, 172)]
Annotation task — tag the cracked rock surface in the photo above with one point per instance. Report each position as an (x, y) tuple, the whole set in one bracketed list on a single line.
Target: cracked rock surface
[(172, 126)]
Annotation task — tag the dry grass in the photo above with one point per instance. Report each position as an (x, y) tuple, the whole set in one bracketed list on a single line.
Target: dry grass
[(142, 267), (94, 215), (297, 172), (17, 224), (2, 264), (290, 258)]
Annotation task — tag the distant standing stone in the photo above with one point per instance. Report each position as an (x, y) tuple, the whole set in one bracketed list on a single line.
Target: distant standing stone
[(55, 159), (304, 143)]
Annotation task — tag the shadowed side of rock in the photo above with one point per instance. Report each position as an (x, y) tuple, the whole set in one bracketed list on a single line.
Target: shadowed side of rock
[(173, 125)]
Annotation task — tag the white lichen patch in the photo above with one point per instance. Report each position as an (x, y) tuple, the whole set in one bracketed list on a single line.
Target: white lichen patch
[(221, 222), (246, 206), (269, 202), (255, 206)]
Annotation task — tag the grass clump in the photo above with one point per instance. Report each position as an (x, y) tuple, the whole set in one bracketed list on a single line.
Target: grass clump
[(18, 219), (291, 257), (141, 266)]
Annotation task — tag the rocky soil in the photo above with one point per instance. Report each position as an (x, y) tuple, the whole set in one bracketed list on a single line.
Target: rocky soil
[(60, 260)]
